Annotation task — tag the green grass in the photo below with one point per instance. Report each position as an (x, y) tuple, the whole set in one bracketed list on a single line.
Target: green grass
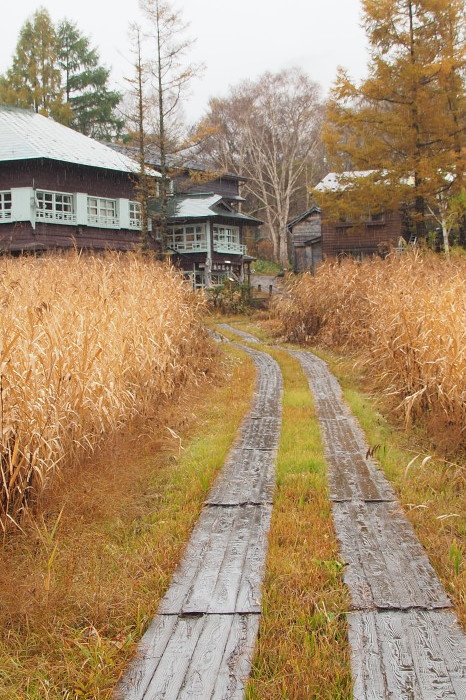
[(265, 267)]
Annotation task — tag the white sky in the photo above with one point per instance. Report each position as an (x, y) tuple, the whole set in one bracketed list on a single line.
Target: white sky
[(235, 40)]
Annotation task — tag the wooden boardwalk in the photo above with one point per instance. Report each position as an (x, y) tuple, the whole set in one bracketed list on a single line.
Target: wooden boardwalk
[(406, 642), (200, 643)]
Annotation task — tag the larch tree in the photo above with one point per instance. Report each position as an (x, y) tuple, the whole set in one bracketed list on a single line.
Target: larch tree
[(85, 85), (34, 79), (406, 120), (137, 122), (169, 79), (269, 131)]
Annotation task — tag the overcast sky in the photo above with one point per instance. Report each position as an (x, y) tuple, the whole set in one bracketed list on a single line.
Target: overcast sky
[(235, 40)]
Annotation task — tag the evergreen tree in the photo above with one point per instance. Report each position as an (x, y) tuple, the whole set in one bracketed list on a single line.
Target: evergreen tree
[(406, 121), (85, 85), (57, 73)]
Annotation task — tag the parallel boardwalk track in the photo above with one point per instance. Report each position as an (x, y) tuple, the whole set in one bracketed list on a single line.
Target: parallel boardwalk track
[(200, 643), (406, 642)]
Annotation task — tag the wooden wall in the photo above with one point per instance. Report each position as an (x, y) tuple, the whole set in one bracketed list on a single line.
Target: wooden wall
[(361, 239)]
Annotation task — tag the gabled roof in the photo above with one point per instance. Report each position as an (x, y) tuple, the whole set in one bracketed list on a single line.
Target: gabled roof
[(339, 181), (25, 135), (182, 161), (206, 206), (312, 210)]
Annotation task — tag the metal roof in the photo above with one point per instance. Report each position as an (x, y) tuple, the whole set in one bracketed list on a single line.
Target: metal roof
[(206, 206), (25, 135)]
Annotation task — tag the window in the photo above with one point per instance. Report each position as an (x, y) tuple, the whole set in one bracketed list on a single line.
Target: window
[(227, 240), (102, 212), (188, 238), (5, 205), (374, 218), (135, 214), (56, 206)]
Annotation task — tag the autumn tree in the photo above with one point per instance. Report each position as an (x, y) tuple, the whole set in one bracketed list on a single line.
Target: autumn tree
[(34, 79), (406, 121), (85, 85), (269, 131)]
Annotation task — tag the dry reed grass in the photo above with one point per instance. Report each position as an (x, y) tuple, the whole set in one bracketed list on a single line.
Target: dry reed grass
[(86, 343), (404, 316)]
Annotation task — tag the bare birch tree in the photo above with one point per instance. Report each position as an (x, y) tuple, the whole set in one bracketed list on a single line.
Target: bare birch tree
[(269, 131)]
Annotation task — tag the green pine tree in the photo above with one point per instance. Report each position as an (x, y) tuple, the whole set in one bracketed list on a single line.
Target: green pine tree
[(85, 85)]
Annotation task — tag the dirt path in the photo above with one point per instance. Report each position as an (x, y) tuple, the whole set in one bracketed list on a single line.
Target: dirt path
[(200, 643)]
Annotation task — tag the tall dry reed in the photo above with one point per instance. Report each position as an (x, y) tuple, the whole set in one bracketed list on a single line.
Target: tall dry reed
[(86, 343), (405, 316)]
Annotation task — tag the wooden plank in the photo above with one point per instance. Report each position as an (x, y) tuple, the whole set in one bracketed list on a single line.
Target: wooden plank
[(222, 569), (261, 433), (409, 655), (247, 477), (201, 657), (246, 336), (386, 565), (353, 477)]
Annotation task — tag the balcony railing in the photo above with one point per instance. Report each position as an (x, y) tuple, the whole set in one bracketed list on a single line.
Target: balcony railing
[(63, 217), (103, 221), (189, 246), (229, 247), (5, 214)]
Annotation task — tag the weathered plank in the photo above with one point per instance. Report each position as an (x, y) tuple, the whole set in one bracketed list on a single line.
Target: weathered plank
[(409, 655), (223, 565), (246, 336), (386, 567), (206, 656), (354, 477), (247, 477)]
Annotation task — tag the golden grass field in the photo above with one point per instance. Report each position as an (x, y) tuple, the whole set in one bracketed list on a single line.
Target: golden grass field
[(404, 317), (86, 344)]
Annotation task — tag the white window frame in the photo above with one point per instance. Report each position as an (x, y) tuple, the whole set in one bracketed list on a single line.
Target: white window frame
[(102, 211), (55, 206), (188, 238), (134, 214), (5, 205), (227, 239)]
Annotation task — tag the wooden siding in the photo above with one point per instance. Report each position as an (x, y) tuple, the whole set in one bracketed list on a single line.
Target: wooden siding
[(361, 239), (66, 177), (223, 186), (20, 237)]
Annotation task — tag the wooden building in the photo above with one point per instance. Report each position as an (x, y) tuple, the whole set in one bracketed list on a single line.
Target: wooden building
[(206, 226), (60, 189), (206, 235), (305, 233), (315, 235)]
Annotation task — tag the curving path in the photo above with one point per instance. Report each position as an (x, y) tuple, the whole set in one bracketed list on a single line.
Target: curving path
[(201, 641)]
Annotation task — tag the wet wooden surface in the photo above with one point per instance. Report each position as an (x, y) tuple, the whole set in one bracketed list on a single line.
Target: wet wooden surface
[(204, 656), (405, 644), (416, 654), (201, 641)]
